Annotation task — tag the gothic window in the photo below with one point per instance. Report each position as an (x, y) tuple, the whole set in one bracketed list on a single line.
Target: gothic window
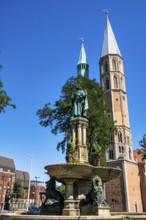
[(122, 148), (114, 64), (115, 82), (130, 154), (120, 137), (135, 206), (111, 154), (105, 66), (107, 83)]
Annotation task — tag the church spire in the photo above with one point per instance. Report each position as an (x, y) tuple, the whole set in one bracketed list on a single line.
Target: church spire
[(109, 45), (82, 66)]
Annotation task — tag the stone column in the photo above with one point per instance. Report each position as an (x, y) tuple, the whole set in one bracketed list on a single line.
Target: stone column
[(73, 132), (79, 131), (84, 134), (78, 127), (71, 206), (69, 189)]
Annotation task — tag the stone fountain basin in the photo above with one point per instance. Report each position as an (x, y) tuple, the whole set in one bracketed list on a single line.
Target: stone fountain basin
[(79, 171)]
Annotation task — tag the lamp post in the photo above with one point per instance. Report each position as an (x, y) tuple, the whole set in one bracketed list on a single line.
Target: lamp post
[(28, 195)]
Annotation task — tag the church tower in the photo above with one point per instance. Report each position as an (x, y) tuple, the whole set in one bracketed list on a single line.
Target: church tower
[(82, 66), (112, 79), (122, 193)]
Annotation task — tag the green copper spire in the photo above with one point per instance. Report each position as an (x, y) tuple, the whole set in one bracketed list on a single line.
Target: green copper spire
[(82, 66)]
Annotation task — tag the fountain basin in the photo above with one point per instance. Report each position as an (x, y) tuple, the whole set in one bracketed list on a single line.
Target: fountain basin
[(80, 171)]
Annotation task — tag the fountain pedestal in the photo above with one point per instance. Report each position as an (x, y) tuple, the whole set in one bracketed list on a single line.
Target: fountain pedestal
[(71, 205)]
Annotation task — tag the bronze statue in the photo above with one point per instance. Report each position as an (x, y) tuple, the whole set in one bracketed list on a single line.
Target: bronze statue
[(53, 196), (79, 103), (96, 194)]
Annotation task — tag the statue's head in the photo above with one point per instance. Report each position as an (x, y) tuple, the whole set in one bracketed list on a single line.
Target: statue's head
[(97, 181), (51, 184)]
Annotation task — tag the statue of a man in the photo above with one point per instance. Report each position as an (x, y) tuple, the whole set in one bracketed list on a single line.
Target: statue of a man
[(79, 103)]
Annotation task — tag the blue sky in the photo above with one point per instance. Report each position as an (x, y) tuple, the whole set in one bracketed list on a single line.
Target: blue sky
[(39, 50)]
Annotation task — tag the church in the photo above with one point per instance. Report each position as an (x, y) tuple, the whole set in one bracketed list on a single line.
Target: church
[(125, 193)]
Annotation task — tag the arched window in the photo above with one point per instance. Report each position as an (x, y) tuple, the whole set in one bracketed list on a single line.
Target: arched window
[(107, 83), (115, 82), (135, 206), (114, 64), (122, 148), (120, 137), (105, 66), (130, 154), (111, 154)]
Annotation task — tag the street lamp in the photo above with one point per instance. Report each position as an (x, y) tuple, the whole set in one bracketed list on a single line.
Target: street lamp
[(28, 195), (36, 177)]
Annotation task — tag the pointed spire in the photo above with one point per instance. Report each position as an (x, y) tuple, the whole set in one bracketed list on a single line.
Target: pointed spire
[(109, 45), (82, 57), (82, 66)]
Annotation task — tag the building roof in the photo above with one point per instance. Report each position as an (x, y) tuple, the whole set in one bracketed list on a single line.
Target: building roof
[(109, 45), (82, 56), (137, 157), (7, 164), (24, 176)]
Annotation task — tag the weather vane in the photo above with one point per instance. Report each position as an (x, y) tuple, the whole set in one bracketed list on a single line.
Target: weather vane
[(106, 12), (82, 39)]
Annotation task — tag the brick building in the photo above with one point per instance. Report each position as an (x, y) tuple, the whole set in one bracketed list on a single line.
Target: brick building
[(7, 177), (142, 175), (36, 188)]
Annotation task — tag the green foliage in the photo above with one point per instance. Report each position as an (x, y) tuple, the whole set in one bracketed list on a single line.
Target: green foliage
[(57, 118), (5, 100), (61, 189), (142, 143), (18, 189)]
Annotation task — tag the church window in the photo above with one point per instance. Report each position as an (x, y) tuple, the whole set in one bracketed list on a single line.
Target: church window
[(130, 154), (120, 137), (107, 83), (135, 206), (123, 97), (111, 154), (122, 148), (105, 66), (115, 82), (114, 64)]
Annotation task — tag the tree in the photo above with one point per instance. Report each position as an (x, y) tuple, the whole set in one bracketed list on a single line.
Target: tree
[(142, 143), (5, 100), (61, 189), (100, 127), (18, 189)]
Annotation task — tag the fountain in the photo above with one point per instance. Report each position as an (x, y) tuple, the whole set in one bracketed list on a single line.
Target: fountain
[(83, 182)]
